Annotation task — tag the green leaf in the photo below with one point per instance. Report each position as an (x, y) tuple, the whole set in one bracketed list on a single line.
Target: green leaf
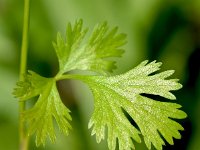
[(48, 107), (119, 100), (94, 53), (114, 95), (31, 86)]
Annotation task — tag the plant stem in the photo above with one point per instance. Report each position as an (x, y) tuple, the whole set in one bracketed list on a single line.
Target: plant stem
[(23, 138), (71, 76)]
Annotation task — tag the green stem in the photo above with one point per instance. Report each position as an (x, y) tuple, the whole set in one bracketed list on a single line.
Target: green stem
[(23, 138), (70, 76)]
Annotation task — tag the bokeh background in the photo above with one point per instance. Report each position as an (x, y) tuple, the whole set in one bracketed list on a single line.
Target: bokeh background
[(167, 31)]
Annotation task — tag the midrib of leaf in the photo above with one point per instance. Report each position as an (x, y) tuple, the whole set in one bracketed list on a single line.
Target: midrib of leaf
[(77, 57), (49, 88)]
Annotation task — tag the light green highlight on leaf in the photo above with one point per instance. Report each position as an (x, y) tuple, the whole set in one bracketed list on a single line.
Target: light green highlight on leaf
[(123, 91), (91, 55)]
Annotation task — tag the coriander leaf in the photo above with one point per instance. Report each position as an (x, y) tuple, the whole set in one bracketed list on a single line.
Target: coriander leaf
[(48, 107), (32, 86), (94, 53), (112, 94), (66, 48)]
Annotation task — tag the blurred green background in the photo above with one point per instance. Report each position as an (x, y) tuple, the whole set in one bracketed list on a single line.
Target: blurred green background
[(167, 31)]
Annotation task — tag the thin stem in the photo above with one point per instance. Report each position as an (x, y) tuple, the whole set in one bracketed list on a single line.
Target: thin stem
[(24, 40), (23, 138), (70, 76)]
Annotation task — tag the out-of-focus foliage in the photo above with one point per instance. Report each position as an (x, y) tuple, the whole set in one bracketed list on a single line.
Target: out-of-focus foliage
[(168, 31)]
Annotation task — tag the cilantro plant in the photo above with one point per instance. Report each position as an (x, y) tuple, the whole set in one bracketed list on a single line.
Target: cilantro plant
[(114, 96)]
